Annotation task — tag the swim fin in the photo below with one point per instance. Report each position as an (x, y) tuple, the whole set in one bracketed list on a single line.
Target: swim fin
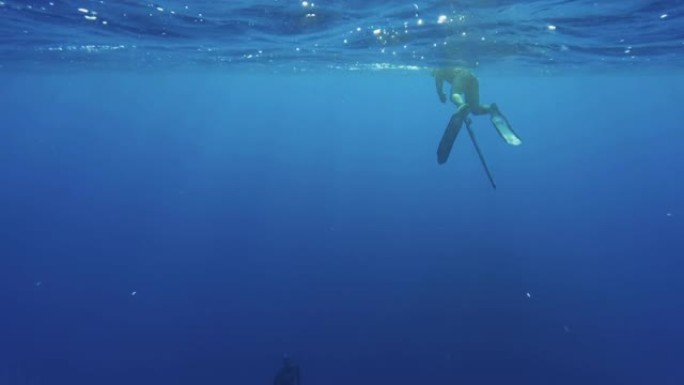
[(504, 128), (450, 133)]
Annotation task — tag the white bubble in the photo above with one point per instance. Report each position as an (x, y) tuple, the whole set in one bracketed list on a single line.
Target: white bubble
[(663, 16), (134, 293), (551, 27), (83, 10), (528, 295)]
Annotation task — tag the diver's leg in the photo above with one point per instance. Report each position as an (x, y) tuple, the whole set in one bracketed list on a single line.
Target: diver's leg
[(481, 109), (472, 97), (458, 90), (457, 99)]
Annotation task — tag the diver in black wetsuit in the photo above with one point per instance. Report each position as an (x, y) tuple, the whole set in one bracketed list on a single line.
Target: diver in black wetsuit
[(465, 89), (465, 95), (288, 374)]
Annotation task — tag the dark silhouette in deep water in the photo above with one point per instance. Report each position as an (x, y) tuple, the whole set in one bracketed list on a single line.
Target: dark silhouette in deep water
[(288, 374), (465, 94)]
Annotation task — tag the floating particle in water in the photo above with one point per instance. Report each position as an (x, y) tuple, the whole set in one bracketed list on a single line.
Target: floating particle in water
[(441, 19), (39, 283), (528, 295), (663, 16), (133, 293), (90, 17), (566, 329), (668, 214), (83, 10), (551, 27)]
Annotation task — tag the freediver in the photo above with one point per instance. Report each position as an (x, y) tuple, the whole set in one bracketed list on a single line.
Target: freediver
[(288, 374), (465, 94)]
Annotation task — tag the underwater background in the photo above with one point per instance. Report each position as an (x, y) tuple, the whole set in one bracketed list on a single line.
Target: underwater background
[(191, 190)]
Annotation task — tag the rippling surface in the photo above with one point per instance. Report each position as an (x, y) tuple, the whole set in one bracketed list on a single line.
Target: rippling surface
[(351, 34)]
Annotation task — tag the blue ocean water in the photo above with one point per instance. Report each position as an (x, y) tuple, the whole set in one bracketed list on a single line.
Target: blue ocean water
[(189, 191)]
